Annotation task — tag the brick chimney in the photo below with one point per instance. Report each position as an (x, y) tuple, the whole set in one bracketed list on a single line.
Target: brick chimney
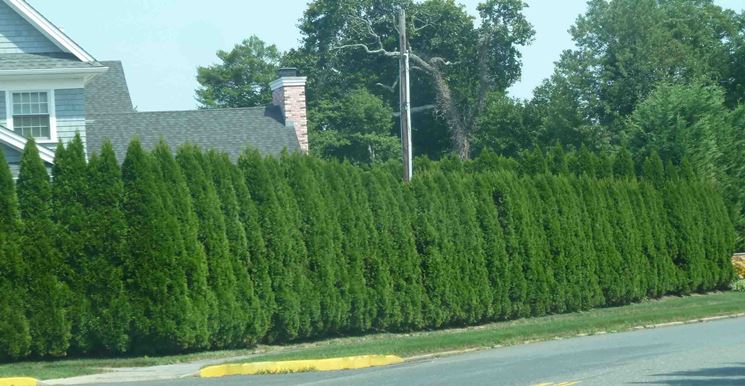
[(288, 92)]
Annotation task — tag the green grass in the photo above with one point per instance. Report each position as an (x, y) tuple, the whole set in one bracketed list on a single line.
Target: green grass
[(670, 309)]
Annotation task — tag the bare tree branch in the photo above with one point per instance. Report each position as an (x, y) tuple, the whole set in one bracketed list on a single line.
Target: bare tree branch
[(442, 61), (418, 109), (391, 88), (393, 54)]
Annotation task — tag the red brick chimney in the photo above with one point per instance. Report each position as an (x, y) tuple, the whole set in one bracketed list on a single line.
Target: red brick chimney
[(288, 92)]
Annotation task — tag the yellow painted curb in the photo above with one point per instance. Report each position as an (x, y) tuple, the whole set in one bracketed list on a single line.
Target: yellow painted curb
[(18, 382), (331, 364)]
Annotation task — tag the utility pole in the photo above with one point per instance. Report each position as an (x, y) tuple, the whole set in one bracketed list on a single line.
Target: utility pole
[(405, 97)]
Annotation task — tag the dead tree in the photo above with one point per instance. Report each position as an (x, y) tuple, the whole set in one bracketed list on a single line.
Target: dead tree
[(461, 121)]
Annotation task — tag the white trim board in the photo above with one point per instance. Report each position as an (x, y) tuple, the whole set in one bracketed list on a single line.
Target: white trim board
[(54, 34), (17, 142), (288, 81), (59, 78)]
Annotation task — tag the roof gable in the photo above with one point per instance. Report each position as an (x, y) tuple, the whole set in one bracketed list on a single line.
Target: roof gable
[(53, 34), (17, 142)]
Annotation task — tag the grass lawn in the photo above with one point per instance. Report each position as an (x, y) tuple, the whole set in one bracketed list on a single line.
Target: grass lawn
[(670, 309)]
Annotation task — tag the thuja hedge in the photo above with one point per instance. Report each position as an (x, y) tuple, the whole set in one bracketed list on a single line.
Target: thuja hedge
[(167, 254)]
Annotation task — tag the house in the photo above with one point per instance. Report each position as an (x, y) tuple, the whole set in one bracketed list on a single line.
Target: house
[(51, 89)]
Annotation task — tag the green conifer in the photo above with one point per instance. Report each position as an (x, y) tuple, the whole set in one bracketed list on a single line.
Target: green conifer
[(190, 254), (69, 214), (156, 283), (558, 160), (623, 164), (15, 340), (317, 234), (46, 303), (219, 168), (354, 244), (105, 321), (258, 264), (653, 170), (281, 250), (227, 324)]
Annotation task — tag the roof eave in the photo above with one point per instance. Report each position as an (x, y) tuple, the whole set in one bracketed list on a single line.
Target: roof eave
[(85, 73)]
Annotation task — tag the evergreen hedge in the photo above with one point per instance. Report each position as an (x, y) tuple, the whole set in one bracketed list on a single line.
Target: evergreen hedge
[(179, 253)]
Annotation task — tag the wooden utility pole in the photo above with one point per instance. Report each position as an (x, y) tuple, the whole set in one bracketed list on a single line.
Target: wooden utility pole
[(405, 94)]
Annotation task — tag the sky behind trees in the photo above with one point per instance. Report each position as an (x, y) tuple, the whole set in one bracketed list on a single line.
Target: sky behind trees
[(162, 42)]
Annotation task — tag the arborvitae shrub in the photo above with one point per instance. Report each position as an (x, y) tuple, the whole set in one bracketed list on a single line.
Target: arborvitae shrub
[(406, 264), (495, 254), (190, 253), (226, 323), (438, 275), (219, 167), (157, 285), (280, 249), (623, 164), (380, 255), (507, 204), (15, 340), (47, 298), (258, 266), (106, 319), (558, 161), (354, 246), (310, 305), (316, 230), (193, 252), (69, 213)]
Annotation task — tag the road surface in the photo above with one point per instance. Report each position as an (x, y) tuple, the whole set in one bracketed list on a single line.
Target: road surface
[(705, 354)]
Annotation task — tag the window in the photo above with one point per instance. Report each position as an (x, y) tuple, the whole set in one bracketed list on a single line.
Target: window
[(31, 115)]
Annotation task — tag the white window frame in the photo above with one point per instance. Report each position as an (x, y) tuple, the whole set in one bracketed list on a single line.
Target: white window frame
[(53, 139)]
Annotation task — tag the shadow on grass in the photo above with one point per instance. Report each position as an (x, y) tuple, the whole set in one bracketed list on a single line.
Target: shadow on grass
[(715, 376)]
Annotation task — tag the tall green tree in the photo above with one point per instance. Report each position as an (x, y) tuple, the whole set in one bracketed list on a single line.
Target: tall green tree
[(219, 168), (258, 264), (106, 319), (356, 126), (69, 214), (684, 121), (242, 77), (156, 282), (283, 253), (502, 127), (46, 303), (624, 48), (317, 233), (226, 322), (190, 252), (15, 339)]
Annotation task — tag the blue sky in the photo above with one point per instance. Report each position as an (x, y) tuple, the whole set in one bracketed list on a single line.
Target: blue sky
[(161, 42)]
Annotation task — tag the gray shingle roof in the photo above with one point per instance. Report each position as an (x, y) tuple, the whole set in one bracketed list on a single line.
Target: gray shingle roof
[(226, 130), (108, 93), (42, 62)]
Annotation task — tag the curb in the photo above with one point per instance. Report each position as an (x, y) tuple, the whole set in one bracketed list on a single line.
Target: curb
[(20, 381), (331, 364)]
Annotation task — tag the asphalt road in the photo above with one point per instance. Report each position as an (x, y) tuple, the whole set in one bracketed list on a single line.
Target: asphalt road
[(706, 354)]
